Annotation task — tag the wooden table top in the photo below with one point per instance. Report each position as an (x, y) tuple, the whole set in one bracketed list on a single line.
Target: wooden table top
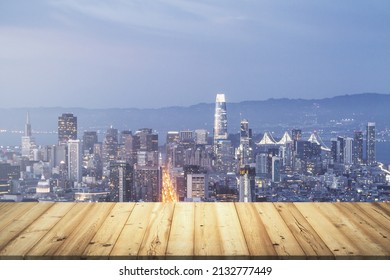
[(32, 230)]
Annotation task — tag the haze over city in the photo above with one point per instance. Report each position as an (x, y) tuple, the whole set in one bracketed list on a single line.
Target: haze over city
[(152, 54)]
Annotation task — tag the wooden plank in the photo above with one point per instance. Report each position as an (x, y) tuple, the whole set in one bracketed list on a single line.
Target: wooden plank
[(75, 244), (13, 212), (338, 232), (4, 206), (155, 241), (281, 237), (307, 237), (49, 244), (19, 224), (19, 246), (130, 239), (105, 238), (385, 206), (256, 236), (218, 231), (181, 237), (375, 212), (372, 231)]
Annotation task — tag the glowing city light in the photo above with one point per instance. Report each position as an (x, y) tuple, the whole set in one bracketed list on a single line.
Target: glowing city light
[(168, 190)]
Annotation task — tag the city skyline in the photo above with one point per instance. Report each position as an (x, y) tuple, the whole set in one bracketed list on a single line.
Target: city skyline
[(173, 53)]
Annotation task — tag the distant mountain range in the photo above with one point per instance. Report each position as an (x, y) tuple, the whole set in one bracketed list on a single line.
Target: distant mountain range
[(262, 115)]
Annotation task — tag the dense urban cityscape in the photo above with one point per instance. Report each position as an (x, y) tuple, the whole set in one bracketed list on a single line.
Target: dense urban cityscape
[(193, 165)]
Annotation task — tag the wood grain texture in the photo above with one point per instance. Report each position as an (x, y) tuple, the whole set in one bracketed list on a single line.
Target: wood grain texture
[(194, 230), (283, 240), (14, 212), (339, 231), (155, 241), (75, 242), (218, 231), (181, 237), (373, 233), (50, 243), (22, 243), (107, 235), (130, 239), (307, 237), (22, 222), (256, 236)]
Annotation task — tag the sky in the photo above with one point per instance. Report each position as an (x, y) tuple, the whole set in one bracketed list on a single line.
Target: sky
[(152, 54)]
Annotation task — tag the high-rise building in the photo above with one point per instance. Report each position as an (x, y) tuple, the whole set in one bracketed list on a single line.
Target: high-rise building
[(261, 165), (145, 143), (201, 136), (247, 183), (109, 149), (296, 135), (28, 143), (245, 149), (67, 128), (358, 147), (89, 140), (126, 150), (121, 181), (74, 160), (275, 169), (370, 144), (187, 136), (196, 180), (348, 150), (173, 139), (220, 118), (147, 183)]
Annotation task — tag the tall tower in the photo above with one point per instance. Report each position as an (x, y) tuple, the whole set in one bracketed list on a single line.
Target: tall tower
[(27, 127), (370, 143), (220, 118), (245, 143), (121, 181), (67, 128), (358, 147), (74, 160), (89, 140), (27, 140)]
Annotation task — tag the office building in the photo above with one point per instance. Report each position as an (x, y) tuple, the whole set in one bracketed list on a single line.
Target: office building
[(28, 142), (89, 140), (370, 144), (247, 183), (196, 181), (220, 119), (147, 183), (358, 147), (276, 169), (74, 160), (67, 128), (121, 181), (201, 136)]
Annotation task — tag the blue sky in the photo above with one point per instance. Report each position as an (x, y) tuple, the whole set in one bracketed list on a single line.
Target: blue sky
[(150, 54)]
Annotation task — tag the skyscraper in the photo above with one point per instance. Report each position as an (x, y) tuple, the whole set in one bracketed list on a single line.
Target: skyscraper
[(247, 183), (27, 140), (358, 147), (245, 143), (121, 181), (109, 149), (67, 128), (89, 140), (348, 150), (220, 118), (74, 160), (370, 144)]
